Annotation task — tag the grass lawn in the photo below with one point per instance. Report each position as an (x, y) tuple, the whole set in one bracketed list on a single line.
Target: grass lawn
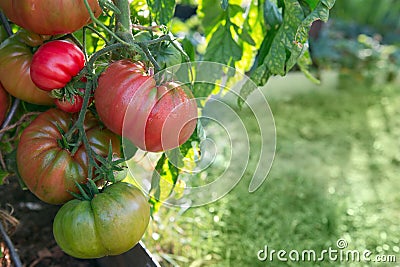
[(335, 175)]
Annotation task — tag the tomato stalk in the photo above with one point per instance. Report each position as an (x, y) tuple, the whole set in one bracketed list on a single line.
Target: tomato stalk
[(96, 32), (98, 22), (124, 21)]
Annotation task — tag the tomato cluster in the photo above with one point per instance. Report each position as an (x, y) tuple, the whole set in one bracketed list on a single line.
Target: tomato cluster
[(69, 153)]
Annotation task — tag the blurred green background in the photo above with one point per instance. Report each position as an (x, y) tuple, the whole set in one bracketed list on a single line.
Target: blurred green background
[(337, 162)]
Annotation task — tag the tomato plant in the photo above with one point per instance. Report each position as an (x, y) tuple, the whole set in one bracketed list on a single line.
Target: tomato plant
[(15, 62), (124, 87), (45, 159), (61, 156), (4, 103), (109, 224), (55, 63), (48, 16)]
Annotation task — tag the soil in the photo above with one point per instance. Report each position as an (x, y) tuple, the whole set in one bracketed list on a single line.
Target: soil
[(33, 236)]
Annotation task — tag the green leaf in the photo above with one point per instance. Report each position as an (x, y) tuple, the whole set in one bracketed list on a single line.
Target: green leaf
[(3, 176), (259, 77), (189, 48), (244, 34), (304, 62), (299, 50), (328, 3), (272, 15), (266, 46), (320, 12), (165, 176), (285, 47), (210, 14), (224, 4), (222, 48), (312, 3), (162, 10), (283, 41)]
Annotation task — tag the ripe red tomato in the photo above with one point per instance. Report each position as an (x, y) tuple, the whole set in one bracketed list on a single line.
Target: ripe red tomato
[(116, 87), (55, 63), (75, 105), (110, 224), (49, 169), (72, 106), (15, 62), (162, 121), (155, 118), (4, 104), (49, 16)]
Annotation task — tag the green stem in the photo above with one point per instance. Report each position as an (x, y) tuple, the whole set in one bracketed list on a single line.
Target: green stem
[(79, 123), (74, 39), (124, 21), (97, 33), (98, 22), (148, 54), (92, 163), (101, 52)]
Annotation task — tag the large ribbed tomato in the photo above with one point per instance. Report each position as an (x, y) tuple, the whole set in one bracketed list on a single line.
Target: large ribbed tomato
[(15, 62), (50, 170), (49, 16), (154, 118), (110, 224), (116, 88), (4, 104), (55, 63)]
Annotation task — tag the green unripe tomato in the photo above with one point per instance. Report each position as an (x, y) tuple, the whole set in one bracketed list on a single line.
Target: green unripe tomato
[(110, 224)]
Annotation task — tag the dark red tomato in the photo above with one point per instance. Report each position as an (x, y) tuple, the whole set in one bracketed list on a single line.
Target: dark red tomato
[(116, 87), (49, 16), (15, 62), (50, 170), (110, 224), (154, 118), (55, 63), (4, 104)]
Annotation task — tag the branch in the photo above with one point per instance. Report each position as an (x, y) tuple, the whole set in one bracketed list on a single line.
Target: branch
[(10, 115), (10, 246), (19, 122), (98, 22)]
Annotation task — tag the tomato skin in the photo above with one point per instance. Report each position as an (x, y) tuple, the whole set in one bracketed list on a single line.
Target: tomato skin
[(50, 171), (49, 16), (70, 107), (116, 87), (15, 62), (4, 104), (162, 122), (110, 224), (55, 63), (77, 104), (152, 109)]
